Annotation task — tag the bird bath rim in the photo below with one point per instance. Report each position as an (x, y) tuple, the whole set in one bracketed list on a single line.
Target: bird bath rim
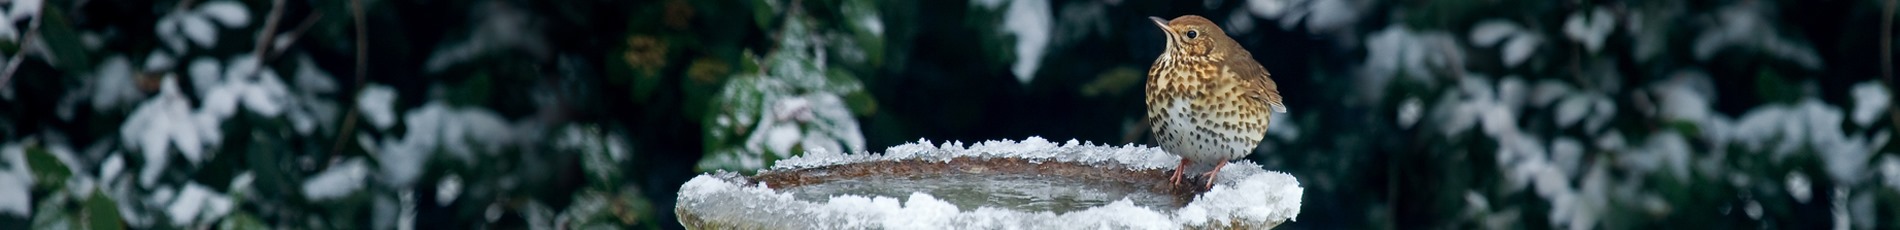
[(1246, 196)]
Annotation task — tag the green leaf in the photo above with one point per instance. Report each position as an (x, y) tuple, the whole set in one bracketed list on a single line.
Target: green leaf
[(47, 170), (102, 213), (241, 220), (57, 31)]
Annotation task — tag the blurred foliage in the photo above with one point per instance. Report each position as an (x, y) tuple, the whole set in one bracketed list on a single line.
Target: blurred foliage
[(565, 114)]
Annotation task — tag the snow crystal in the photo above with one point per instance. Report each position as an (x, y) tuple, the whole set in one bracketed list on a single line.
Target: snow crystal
[(231, 14), (1870, 100), (338, 181), (1244, 192)]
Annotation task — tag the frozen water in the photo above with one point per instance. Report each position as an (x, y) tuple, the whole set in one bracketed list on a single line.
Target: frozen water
[(1244, 192), (1033, 193)]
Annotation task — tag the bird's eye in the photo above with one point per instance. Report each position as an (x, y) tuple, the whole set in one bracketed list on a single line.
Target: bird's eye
[(1191, 34)]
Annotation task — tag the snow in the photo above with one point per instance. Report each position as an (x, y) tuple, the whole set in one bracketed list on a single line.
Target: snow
[(438, 127), (197, 202), (199, 30), (1870, 100), (111, 85), (166, 121), (377, 104), (1749, 25), (1333, 15), (231, 14), (340, 180), (264, 94), (16, 182), (1268, 8), (1244, 192), (1031, 22), (20, 9), (1799, 187), (1590, 30), (1409, 112), (448, 189), (205, 74)]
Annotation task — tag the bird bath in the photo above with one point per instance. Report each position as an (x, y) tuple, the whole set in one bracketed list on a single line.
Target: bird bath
[(1033, 183)]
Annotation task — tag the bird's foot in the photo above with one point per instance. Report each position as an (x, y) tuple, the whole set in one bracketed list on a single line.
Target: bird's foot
[(1211, 174), (1176, 180)]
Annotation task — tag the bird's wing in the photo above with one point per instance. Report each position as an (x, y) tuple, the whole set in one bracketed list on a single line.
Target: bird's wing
[(1253, 73)]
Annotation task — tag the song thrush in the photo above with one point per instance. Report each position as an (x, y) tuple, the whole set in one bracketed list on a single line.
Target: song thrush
[(1208, 100)]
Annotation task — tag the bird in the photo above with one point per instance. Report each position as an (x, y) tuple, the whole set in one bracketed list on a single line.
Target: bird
[(1208, 100)]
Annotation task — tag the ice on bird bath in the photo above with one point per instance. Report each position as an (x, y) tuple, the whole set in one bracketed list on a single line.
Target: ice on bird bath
[(1033, 183)]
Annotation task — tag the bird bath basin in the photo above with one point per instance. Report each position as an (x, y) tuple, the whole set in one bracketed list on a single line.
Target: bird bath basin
[(1034, 183)]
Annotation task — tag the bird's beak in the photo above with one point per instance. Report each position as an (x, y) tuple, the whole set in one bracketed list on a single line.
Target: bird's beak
[(1163, 23)]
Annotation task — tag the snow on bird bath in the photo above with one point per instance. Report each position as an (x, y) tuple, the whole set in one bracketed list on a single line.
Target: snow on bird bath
[(1244, 196)]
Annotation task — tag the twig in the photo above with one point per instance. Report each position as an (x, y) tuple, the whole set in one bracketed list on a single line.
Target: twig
[(292, 36), (267, 38), (1886, 58), (362, 73), (26, 43)]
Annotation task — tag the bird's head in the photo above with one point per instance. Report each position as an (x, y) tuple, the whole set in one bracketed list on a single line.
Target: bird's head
[(1193, 37)]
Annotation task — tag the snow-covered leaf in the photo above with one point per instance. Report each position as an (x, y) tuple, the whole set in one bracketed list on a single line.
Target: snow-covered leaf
[(1592, 29), (231, 14), (199, 30), (1870, 100), (21, 9), (164, 122), (377, 104), (197, 203), (204, 74), (112, 84), (340, 180)]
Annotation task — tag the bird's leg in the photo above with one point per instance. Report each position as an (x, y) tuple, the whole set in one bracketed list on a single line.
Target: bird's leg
[(1210, 174), (1176, 180)]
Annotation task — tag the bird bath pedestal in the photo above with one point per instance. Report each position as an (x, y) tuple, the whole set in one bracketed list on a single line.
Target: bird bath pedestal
[(1031, 184)]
